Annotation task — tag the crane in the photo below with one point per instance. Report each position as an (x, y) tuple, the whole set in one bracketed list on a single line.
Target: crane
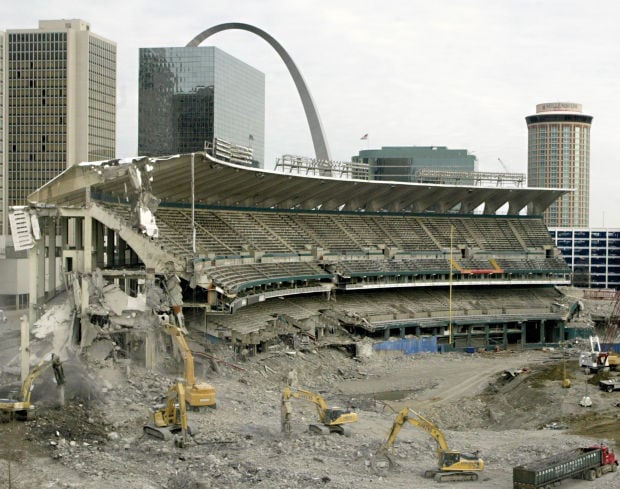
[(331, 419), (452, 465), (199, 394), (503, 165)]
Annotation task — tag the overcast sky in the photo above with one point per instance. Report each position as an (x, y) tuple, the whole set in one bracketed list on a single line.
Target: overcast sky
[(462, 74)]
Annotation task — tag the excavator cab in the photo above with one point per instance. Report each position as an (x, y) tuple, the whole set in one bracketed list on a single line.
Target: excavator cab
[(457, 461), (337, 416)]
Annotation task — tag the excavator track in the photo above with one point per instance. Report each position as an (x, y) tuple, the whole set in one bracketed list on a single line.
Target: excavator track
[(157, 432), (319, 429), (451, 476)]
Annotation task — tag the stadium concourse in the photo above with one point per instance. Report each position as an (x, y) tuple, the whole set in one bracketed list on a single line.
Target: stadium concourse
[(249, 256)]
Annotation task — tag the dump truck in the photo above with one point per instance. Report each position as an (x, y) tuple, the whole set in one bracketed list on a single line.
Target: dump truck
[(580, 463)]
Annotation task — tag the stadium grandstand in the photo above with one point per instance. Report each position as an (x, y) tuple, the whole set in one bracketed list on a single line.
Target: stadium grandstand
[(246, 255)]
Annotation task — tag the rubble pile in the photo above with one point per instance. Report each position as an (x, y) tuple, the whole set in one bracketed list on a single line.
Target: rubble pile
[(97, 441)]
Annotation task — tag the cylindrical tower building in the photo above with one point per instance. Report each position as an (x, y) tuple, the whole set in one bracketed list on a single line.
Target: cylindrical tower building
[(559, 157)]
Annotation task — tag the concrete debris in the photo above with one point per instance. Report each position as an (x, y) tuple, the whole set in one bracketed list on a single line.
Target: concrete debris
[(481, 401)]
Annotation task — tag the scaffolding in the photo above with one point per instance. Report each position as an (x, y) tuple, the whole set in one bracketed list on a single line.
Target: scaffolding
[(301, 165), (477, 178)]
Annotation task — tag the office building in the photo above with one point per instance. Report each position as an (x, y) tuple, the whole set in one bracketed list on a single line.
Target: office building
[(403, 163), (190, 96), (60, 88), (559, 157), (58, 108), (593, 254)]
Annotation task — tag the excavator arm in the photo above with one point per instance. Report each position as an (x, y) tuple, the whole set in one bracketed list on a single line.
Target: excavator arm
[(199, 394), (26, 389), (188, 359), (405, 415), (318, 401)]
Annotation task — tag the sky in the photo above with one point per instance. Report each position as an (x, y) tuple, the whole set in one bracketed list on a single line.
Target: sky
[(457, 73)]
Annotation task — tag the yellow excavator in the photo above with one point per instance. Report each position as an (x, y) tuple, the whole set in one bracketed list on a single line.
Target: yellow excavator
[(199, 394), (452, 465), (170, 418), (331, 419), (22, 409)]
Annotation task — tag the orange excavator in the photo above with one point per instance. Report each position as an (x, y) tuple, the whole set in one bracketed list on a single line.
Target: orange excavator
[(452, 466), (22, 409), (331, 420), (169, 419), (197, 394)]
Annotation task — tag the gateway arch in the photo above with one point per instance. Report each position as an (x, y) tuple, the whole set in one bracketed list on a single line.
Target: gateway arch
[(314, 122)]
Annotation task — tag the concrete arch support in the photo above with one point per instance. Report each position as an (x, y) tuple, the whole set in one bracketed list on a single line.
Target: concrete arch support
[(314, 122)]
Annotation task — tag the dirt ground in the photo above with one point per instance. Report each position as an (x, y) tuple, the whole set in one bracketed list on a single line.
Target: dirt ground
[(96, 440)]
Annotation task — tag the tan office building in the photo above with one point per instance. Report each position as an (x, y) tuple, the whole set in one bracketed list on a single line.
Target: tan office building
[(559, 157), (57, 109)]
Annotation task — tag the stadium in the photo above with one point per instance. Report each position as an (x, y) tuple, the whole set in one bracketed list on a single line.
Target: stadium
[(250, 257)]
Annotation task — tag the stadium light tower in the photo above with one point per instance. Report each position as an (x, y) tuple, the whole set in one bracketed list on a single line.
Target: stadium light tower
[(450, 321)]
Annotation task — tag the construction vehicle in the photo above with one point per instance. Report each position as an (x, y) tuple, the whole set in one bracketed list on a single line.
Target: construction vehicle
[(452, 466), (170, 418), (198, 394), (581, 463), (609, 385), (611, 332), (614, 360), (595, 359), (22, 409), (331, 419)]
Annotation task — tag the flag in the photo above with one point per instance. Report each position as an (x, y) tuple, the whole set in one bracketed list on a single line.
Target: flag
[(365, 136)]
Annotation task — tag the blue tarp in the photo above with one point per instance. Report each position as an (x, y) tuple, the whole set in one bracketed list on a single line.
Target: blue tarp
[(611, 347), (408, 346)]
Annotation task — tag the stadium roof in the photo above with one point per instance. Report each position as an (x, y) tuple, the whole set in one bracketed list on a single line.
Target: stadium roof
[(218, 183)]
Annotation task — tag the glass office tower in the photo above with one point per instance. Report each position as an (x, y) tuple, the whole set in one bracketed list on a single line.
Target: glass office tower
[(190, 95)]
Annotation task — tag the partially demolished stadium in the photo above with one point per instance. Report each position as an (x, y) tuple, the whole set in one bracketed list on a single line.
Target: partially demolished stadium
[(246, 255)]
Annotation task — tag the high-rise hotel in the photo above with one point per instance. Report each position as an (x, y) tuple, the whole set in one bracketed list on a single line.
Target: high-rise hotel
[(559, 157)]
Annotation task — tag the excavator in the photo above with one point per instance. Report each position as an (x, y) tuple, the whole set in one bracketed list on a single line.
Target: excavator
[(452, 465), (331, 419), (199, 394), (170, 418), (22, 409)]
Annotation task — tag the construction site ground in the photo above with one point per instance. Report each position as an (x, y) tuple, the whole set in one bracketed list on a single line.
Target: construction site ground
[(96, 441)]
